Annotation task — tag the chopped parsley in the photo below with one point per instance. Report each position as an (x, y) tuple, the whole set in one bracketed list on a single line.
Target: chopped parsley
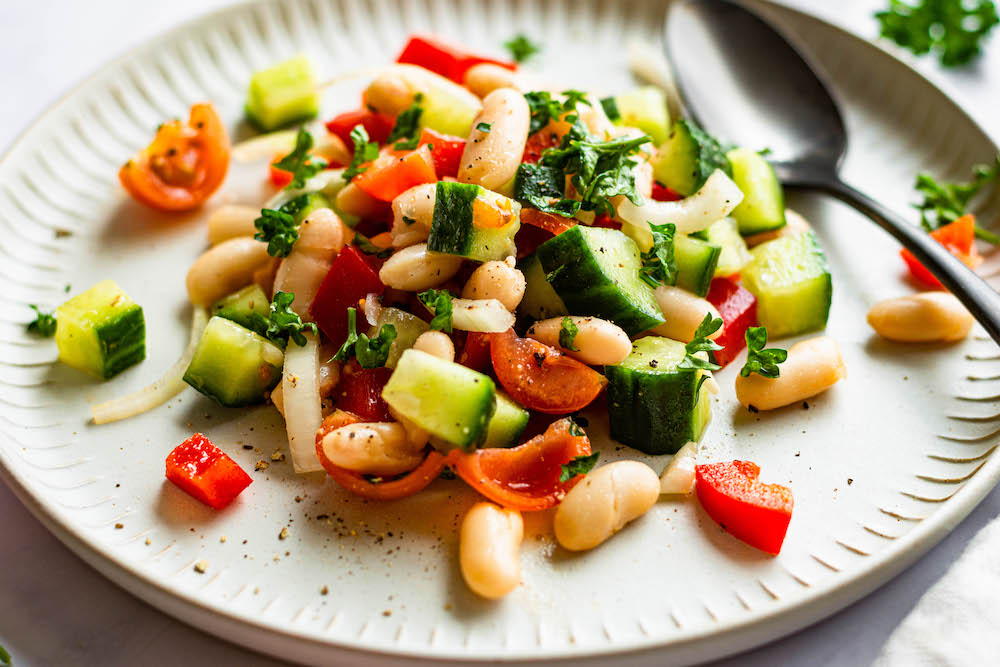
[(521, 48), (366, 246), (545, 109), (567, 334), (610, 106), (951, 29), (279, 228), (702, 343), (370, 352), (283, 323), (299, 163), (760, 361), (580, 465), (658, 265), (484, 127), (946, 202), (364, 151), (439, 303), (406, 132), (43, 325), (544, 188)]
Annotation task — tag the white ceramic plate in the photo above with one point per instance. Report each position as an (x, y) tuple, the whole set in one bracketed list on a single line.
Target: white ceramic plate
[(882, 466)]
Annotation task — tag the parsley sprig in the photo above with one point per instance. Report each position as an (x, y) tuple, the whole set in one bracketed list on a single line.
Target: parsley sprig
[(702, 343), (945, 202), (545, 109), (300, 163), (760, 361), (364, 151), (370, 352), (406, 132), (658, 265), (951, 29), (43, 325), (521, 48), (567, 334), (579, 465), (439, 303), (283, 323), (362, 243), (279, 228)]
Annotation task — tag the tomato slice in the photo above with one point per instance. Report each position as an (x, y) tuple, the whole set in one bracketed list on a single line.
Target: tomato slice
[(606, 221), (394, 172), (443, 58), (537, 143), (542, 378), (446, 149), (750, 510), (377, 125), (184, 164), (959, 238), (360, 392), (738, 309), (526, 477), (475, 352), (663, 193), (554, 224)]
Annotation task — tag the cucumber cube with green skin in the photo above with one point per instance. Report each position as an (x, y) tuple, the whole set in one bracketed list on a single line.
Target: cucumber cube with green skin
[(696, 261), (101, 332), (234, 365), (242, 307), (653, 405), (283, 94), (646, 109), (507, 424), (735, 254), (763, 205), (688, 157), (595, 271), (454, 404), (540, 301), (464, 222), (792, 283)]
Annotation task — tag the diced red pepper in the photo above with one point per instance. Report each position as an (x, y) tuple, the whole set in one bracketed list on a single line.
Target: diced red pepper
[(537, 143), (446, 149), (279, 177), (749, 510), (606, 221), (351, 277), (475, 353), (204, 472), (377, 125), (959, 238), (395, 172), (738, 309), (663, 193), (443, 58), (360, 391)]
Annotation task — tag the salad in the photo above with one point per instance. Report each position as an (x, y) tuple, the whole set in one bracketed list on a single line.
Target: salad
[(447, 275)]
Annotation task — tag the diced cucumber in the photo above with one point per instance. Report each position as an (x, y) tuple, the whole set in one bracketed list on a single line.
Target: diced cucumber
[(507, 424), (792, 283), (540, 301), (688, 158), (735, 254), (408, 327), (653, 405), (646, 109), (696, 261), (242, 306), (451, 402), (234, 365), (472, 222), (101, 332), (595, 271), (763, 205), (301, 206), (283, 94)]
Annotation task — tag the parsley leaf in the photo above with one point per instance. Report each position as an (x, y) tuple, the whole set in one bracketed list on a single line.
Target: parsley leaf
[(945, 202), (370, 352), (484, 127), (567, 333), (407, 126), (658, 265), (580, 465), (366, 246), (44, 324), (760, 361), (521, 48), (282, 322), (299, 163), (951, 29), (545, 189), (364, 151), (347, 349), (439, 303), (279, 228), (545, 109), (701, 343)]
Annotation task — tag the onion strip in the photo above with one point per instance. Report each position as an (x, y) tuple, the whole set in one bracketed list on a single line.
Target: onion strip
[(679, 475), (161, 391), (480, 315), (302, 403)]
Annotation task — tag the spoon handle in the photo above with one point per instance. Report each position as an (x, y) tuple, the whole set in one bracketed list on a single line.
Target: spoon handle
[(981, 299)]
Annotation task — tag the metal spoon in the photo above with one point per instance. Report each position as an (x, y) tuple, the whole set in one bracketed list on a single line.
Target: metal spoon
[(743, 81)]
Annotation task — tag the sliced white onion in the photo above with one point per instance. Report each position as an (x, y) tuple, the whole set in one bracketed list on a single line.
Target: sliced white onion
[(678, 476), (373, 308), (648, 63), (318, 182), (265, 146), (303, 412), (482, 315), (161, 391)]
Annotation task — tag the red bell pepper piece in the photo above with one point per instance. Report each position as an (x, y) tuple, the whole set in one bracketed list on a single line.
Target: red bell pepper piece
[(377, 125), (663, 193), (959, 238), (279, 177), (395, 172), (446, 149), (351, 277), (537, 143), (203, 471), (360, 392), (606, 221), (447, 60), (748, 509), (738, 309)]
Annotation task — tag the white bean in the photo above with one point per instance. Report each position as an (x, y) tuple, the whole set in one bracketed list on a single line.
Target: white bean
[(488, 550), (397, 87), (484, 78), (491, 158), (598, 342), (436, 343), (603, 502), (321, 236), (412, 215), (813, 366), (415, 268), (683, 312), (231, 221), (224, 268), (496, 280), (372, 448), (391, 92), (921, 318), (794, 224)]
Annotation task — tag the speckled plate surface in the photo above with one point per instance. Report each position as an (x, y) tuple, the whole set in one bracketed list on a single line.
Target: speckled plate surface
[(882, 466)]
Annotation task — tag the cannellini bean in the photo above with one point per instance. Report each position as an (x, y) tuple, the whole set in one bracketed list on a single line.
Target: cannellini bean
[(812, 367), (265, 275), (321, 235), (683, 312), (224, 268), (488, 550), (679, 475), (372, 448), (412, 215), (436, 343), (921, 318), (352, 200), (794, 224), (598, 342), (484, 78), (231, 221), (491, 158), (606, 500), (415, 268), (496, 280), (392, 91)]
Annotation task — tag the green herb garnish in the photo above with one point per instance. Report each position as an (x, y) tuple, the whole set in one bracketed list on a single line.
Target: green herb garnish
[(580, 465), (658, 265), (406, 132), (760, 361), (702, 343), (370, 352), (521, 48), (439, 303), (951, 29), (545, 109), (299, 163), (366, 246), (567, 334), (945, 202), (278, 228), (364, 151), (484, 127), (283, 323), (4, 656), (610, 106), (44, 324), (544, 188)]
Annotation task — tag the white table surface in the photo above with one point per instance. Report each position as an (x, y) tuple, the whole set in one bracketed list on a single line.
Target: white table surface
[(55, 610)]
